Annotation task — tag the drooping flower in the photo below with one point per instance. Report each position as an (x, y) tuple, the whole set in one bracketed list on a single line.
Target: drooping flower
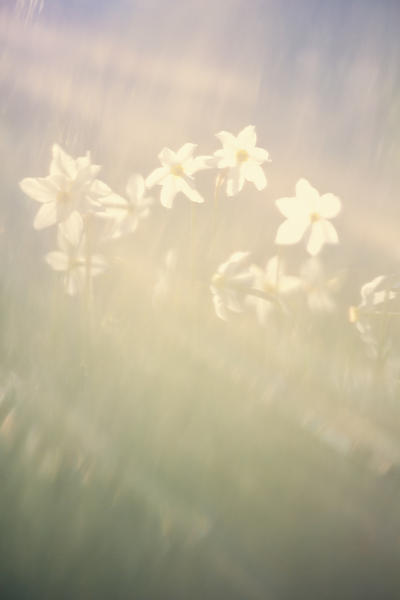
[(308, 212), (230, 284), (70, 186), (241, 159), (273, 282), (176, 174), (72, 258), (128, 212), (376, 299)]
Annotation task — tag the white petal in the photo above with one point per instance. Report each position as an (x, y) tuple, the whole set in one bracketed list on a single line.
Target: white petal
[(57, 260), (291, 231), (225, 158), (368, 288), (292, 208), (226, 139), (41, 189), (185, 152), (235, 181), (72, 229), (168, 191), (135, 187), (46, 216), (307, 194), (316, 239), (288, 283), (247, 137), (99, 188), (189, 192), (259, 154), (62, 163), (231, 265), (256, 175), (167, 157), (156, 176), (330, 233), (329, 206), (219, 306)]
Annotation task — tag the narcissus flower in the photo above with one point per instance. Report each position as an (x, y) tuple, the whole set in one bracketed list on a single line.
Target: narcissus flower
[(176, 174), (73, 258), (128, 212), (67, 188), (308, 212), (274, 282), (241, 159), (230, 283), (376, 297)]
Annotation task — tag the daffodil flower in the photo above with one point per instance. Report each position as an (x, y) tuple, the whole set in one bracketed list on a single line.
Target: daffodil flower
[(241, 160), (308, 212), (176, 174), (273, 281), (72, 257), (229, 285), (128, 212), (375, 295), (71, 185)]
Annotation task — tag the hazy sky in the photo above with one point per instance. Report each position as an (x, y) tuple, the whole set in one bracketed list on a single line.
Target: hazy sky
[(319, 79)]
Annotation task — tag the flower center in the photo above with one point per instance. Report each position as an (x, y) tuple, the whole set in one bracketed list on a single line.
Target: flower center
[(353, 314), (314, 217), (241, 156), (63, 196), (177, 170)]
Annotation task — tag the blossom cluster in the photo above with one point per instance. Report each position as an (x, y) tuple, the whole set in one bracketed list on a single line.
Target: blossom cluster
[(87, 212)]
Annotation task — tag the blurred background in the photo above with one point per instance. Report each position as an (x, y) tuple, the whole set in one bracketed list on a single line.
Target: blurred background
[(173, 455)]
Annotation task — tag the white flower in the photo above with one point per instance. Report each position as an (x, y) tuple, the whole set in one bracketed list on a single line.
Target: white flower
[(241, 159), (229, 285), (273, 281), (374, 294), (318, 287), (72, 258), (176, 174), (67, 188), (308, 211), (127, 212)]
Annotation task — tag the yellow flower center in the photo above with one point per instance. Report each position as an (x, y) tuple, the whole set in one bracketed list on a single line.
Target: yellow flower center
[(63, 196), (314, 217), (353, 314), (177, 170), (241, 156)]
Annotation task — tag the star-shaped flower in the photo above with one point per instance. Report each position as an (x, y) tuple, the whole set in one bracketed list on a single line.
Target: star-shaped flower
[(273, 281), (73, 258), (308, 212), (229, 285), (128, 212), (176, 174), (241, 159), (70, 186)]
